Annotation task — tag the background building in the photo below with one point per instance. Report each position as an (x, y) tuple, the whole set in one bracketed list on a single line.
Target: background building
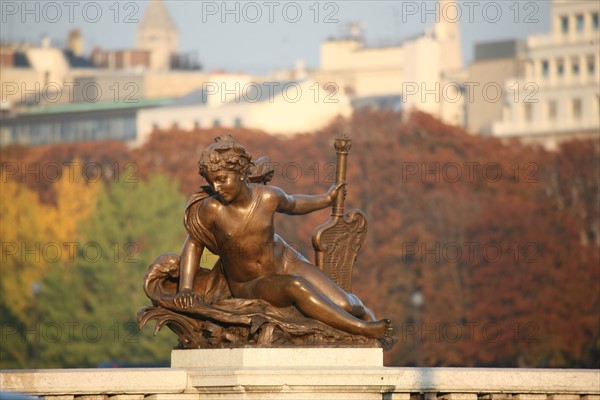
[(557, 98), (282, 108), (75, 122), (426, 71), (493, 64), (544, 89)]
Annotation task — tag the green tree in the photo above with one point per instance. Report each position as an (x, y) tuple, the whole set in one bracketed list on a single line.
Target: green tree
[(96, 303)]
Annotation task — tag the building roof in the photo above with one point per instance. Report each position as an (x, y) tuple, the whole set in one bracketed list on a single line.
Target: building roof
[(265, 91), (194, 98), (157, 17), (21, 60), (87, 106), (391, 102), (499, 49), (77, 61), (255, 93)]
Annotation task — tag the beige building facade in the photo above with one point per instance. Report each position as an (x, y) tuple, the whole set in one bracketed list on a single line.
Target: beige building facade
[(493, 64), (40, 74), (558, 97), (279, 108), (426, 71)]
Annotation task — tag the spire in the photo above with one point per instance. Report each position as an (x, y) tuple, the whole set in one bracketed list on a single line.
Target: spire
[(157, 17), (158, 34)]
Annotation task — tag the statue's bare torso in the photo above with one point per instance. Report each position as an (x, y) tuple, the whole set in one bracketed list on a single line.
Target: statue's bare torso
[(249, 248)]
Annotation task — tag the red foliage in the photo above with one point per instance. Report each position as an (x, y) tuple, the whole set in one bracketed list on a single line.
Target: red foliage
[(501, 240)]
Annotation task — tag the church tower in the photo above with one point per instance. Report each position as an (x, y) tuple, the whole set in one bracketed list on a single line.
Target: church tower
[(158, 34), (447, 33)]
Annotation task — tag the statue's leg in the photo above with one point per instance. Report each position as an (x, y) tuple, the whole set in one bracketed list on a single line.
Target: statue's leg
[(365, 313), (286, 290), (329, 289)]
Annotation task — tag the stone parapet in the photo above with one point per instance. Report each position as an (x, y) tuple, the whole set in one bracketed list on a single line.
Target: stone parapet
[(301, 374)]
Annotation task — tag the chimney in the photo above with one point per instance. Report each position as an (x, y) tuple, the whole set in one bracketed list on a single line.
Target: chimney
[(46, 42)]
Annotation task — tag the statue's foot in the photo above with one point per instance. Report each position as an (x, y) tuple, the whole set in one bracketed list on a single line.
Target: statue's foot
[(388, 341), (379, 329), (388, 327)]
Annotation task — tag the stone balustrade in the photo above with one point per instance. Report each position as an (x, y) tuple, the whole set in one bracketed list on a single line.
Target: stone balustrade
[(300, 374)]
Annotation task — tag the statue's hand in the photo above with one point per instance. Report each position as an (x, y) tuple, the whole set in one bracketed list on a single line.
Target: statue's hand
[(335, 190), (185, 298)]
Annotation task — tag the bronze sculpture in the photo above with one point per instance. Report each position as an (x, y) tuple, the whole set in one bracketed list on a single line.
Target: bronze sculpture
[(261, 291)]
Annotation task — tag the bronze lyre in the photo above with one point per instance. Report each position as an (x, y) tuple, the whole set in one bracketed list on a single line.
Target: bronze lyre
[(338, 241)]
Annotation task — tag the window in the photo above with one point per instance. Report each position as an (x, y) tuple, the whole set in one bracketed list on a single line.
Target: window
[(595, 21), (564, 24), (217, 123), (579, 23), (545, 68), (576, 105), (196, 124), (552, 110), (591, 65), (237, 122), (528, 112), (560, 67), (575, 66)]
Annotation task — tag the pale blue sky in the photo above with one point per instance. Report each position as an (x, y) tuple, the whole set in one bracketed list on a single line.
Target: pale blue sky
[(269, 34)]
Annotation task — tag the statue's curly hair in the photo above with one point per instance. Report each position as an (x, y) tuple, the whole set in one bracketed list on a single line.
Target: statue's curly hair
[(226, 154)]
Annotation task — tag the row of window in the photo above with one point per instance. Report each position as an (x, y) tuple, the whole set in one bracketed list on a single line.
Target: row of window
[(237, 123), (579, 23), (38, 133), (575, 109), (575, 63)]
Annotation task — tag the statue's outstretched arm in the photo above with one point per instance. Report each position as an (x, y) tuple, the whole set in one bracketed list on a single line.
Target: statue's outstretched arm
[(298, 204), (190, 261)]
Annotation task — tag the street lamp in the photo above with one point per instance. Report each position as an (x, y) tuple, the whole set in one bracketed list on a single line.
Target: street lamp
[(418, 300)]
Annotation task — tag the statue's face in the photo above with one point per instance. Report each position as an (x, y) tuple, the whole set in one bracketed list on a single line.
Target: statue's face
[(226, 184)]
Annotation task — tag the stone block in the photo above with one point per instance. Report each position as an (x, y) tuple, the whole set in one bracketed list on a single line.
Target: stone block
[(529, 396), (458, 396), (94, 381), (174, 396), (396, 396), (278, 358)]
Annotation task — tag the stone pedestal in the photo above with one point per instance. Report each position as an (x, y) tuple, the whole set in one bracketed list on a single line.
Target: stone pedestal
[(278, 358), (281, 373)]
